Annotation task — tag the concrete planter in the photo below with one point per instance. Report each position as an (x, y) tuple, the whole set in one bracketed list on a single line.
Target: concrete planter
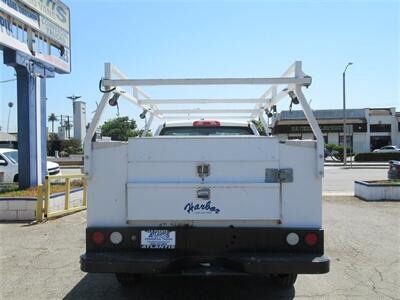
[(24, 208), (376, 191), (17, 209)]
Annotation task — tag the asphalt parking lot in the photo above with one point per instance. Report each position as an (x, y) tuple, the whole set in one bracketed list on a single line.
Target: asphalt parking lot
[(362, 239), (338, 180)]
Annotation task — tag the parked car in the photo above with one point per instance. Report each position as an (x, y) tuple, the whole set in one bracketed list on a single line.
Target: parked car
[(394, 169), (9, 166), (387, 149)]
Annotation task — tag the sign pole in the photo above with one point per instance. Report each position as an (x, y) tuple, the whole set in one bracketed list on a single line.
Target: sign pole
[(31, 106)]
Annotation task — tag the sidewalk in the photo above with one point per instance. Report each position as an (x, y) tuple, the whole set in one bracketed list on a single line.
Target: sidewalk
[(371, 164), (329, 162)]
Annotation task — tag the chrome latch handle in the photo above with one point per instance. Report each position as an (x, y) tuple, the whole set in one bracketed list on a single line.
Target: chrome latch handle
[(204, 193)]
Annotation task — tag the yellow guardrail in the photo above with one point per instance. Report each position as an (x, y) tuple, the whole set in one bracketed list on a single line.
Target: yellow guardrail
[(44, 192)]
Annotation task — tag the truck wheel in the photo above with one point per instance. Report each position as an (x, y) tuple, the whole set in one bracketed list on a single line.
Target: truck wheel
[(127, 279), (284, 280)]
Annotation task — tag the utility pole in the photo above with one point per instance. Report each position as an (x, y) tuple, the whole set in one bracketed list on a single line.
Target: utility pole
[(68, 128), (73, 98), (10, 105), (344, 116)]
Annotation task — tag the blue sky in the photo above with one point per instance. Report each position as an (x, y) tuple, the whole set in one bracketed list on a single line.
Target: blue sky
[(167, 39)]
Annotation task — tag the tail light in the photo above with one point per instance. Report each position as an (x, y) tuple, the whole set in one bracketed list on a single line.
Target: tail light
[(311, 239), (97, 237), (207, 123)]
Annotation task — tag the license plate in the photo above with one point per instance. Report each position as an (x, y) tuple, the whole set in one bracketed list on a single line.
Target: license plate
[(157, 239)]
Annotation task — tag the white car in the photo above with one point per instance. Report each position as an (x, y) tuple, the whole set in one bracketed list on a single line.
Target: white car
[(9, 166), (387, 149)]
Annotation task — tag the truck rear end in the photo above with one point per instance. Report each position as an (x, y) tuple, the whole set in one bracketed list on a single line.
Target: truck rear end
[(205, 197)]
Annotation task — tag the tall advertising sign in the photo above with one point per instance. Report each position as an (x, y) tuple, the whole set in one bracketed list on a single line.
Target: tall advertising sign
[(38, 28)]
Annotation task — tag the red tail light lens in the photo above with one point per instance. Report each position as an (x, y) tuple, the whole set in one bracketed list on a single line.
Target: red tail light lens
[(311, 239), (98, 237), (207, 123)]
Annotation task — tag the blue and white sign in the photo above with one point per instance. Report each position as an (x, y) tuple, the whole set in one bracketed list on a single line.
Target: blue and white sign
[(8, 5), (33, 27), (55, 32), (54, 10), (157, 239)]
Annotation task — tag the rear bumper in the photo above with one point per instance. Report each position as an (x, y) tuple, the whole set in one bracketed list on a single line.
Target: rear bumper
[(161, 263)]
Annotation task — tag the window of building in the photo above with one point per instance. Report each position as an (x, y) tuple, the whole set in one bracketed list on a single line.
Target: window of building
[(380, 128), (378, 142)]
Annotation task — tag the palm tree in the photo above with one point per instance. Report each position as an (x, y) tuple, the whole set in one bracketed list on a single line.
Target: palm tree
[(52, 118), (68, 126)]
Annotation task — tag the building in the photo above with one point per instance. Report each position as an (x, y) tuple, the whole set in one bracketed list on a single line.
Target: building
[(8, 140), (79, 108), (369, 128), (62, 133)]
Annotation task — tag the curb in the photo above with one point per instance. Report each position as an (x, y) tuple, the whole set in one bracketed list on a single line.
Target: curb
[(338, 194)]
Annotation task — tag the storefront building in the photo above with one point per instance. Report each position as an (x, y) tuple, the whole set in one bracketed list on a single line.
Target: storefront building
[(368, 128)]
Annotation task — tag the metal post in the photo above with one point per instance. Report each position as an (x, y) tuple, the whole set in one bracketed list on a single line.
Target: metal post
[(67, 192), (344, 116), (68, 127), (344, 121), (39, 204), (10, 105), (47, 196), (85, 187)]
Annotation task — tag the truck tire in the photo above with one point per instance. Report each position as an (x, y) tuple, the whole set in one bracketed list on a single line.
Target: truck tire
[(127, 279), (284, 280)]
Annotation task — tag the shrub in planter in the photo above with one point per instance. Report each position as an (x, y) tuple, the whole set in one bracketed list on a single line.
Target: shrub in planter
[(337, 151), (373, 156), (72, 146), (53, 144), (63, 154)]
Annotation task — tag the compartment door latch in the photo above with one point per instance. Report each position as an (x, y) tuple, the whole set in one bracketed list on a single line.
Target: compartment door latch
[(203, 170)]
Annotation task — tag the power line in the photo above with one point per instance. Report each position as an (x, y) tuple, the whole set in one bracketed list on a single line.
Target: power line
[(9, 80)]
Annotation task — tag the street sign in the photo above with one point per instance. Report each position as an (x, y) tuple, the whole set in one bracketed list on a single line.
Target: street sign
[(39, 29)]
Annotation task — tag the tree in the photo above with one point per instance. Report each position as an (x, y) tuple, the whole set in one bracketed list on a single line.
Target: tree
[(259, 126), (52, 118), (53, 144), (68, 126), (120, 129)]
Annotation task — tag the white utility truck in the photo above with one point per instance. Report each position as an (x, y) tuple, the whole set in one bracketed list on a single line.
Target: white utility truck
[(207, 194)]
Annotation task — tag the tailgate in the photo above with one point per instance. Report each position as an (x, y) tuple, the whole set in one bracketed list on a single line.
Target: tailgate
[(202, 178)]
